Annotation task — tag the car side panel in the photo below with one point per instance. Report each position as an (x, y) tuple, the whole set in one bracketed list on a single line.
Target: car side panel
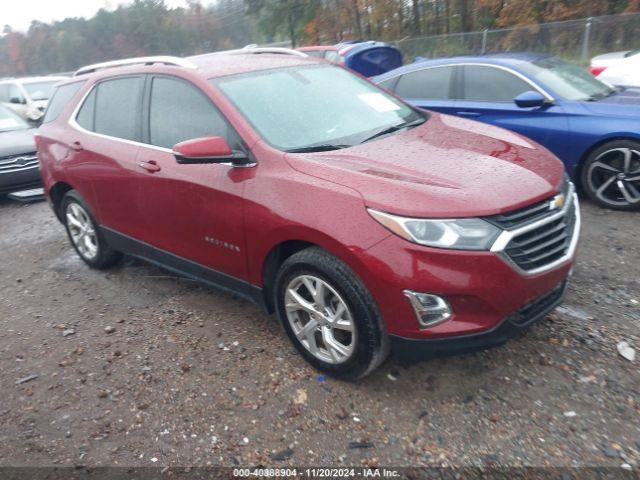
[(283, 204), (58, 165)]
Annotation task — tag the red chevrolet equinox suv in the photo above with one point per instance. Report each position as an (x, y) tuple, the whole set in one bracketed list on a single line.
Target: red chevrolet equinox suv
[(365, 224)]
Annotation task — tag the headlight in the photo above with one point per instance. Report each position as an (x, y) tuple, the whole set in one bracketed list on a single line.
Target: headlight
[(460, 234)]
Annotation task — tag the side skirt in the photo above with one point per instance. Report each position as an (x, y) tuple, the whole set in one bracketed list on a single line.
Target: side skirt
[(183, 267)]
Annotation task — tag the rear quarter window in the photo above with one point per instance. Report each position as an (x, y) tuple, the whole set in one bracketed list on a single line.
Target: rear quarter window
[(61, 97)]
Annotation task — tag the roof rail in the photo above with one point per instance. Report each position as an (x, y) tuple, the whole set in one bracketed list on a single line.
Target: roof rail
[(165, 60), (255, 49)]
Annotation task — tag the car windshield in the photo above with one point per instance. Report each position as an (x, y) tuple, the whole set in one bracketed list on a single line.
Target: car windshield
[(569, 81), (10, 121), (40, 90), (318, 107)]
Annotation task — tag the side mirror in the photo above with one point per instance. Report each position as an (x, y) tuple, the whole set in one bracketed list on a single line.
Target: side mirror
[(530, 99), (207, 150), (19, 101)]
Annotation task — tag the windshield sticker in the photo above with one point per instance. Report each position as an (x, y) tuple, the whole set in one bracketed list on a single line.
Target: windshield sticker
[(8, 123), (379, 102)]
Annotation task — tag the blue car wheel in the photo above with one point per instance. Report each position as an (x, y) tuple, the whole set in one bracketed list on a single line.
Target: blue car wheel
[(611, 175)]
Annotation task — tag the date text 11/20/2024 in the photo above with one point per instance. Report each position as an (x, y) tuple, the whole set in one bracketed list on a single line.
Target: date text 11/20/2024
[(316, 472)]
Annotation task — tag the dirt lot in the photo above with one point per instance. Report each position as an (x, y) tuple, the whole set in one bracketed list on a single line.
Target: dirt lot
[(191, 376)]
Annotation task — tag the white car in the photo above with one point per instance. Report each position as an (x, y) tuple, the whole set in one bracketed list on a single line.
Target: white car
[(604, 61), (624, 73), (28, 97)]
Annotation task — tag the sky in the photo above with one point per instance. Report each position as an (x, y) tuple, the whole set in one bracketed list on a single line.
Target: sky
[(20, 13)]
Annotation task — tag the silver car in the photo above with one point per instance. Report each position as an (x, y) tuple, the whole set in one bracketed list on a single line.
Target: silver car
[(28, 97)]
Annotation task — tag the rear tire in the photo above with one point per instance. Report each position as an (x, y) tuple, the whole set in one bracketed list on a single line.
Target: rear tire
[(611, 175), (84, 234), (329, 315)]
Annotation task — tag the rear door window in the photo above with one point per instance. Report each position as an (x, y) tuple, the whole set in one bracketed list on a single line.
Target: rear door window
[(113, 108), (60, 99), (430, 83), (179, 111), (491, 84)]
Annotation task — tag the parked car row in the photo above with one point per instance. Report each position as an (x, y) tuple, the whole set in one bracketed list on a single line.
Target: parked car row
[(364, 222), (22, 105)]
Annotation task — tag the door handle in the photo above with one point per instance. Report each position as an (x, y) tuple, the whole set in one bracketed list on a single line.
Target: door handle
[(468, 114), (150, 166), (76, 146)]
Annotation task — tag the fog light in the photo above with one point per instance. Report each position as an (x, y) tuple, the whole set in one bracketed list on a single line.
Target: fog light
[(430, 309)]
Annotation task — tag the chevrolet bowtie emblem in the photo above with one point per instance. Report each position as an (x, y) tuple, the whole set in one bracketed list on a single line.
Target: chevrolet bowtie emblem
[(557, 203)]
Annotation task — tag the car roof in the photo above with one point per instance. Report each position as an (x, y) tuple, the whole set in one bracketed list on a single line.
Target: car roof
[(507, 59), (223, 64), (209, 65)]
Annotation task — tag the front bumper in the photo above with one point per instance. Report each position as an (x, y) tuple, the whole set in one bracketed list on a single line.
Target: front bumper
[(482, 288), (411, 349), (24, 179), (19, 172)]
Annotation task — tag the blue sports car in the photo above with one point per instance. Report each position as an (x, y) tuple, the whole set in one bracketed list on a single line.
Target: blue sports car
[(591, 126)]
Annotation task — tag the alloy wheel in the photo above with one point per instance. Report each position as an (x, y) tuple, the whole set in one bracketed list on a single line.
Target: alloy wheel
[(320, 319), (614, 177), (82, 231)]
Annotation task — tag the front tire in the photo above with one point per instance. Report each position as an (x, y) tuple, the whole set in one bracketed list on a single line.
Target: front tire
[(611, 175), (83, 232), (329, 315)]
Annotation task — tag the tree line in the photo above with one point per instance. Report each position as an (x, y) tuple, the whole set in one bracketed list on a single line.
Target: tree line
[(149, 27)]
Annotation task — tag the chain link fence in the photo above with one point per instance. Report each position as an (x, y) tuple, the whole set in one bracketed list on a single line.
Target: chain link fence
[(573, 40)]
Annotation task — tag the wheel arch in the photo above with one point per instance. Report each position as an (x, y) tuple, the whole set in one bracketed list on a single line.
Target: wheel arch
[(284, 248), (276, 256), (56, 194)]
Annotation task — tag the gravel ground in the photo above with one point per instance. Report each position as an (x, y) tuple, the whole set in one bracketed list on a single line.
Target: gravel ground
[(136, 367)]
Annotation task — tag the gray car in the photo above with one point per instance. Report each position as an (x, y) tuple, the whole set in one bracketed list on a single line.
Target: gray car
[(19, 169)]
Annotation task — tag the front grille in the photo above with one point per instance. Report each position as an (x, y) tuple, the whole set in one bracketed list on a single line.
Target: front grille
[(521, 216), (528, 214), (544, 244), (17, 163), (540, 306)]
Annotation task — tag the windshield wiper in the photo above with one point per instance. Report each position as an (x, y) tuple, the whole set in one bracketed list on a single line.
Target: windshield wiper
[(395, 128), (600, 96), (317, 148)]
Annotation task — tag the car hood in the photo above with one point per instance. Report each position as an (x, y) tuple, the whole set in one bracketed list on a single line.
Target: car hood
[(15, 142), (447, 167), (622, 104)]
